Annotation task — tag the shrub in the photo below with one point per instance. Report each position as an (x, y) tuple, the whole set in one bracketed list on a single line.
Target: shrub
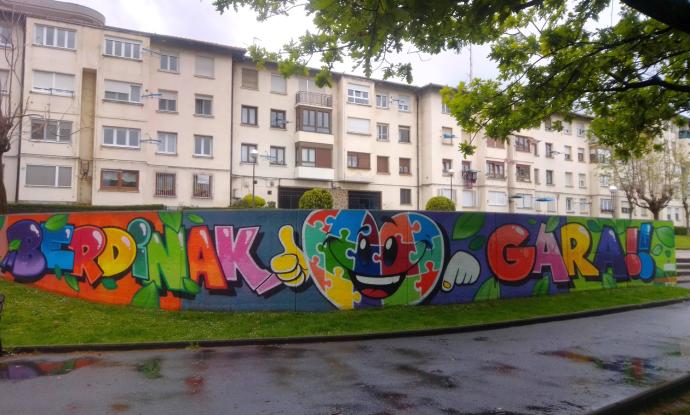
[(246, 202), (680, 230), (440, 203), (316, 199)]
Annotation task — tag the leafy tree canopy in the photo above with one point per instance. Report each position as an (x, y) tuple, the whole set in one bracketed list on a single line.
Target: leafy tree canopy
[(553, 56)]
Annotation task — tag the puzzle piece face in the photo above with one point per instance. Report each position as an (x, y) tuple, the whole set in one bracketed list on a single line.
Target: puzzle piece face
[(398, 262)]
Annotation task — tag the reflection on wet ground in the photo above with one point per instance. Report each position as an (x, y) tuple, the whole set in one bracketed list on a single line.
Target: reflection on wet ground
[(27, 369)]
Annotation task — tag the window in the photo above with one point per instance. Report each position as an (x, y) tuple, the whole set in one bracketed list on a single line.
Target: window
[(202, 185), (308, 157), (405, 196), (580, 154), (278, 84), (584, 205), (604, 180), (569, 204), (548, 150), (468, 198), (382, 164), (121, 137), (204, 66), (497, 198), (357, 125), (54, 36), (547, 125), (404, 166), (357, 94), (278, 155), (167, 143), (549, 177), (277, 119), (121, 48), (606, 205), (495, 170), (600, 155), (382, 132), (445, 108), (382, 101), (403, 134), (57, 131), (568, 179), (249, 115), (53, 83), (493, 143), (165, 185), (522, 173), (6, 36), (250, 78), (568, 153), (447, 134), (581, 131), (203, 105), (446, 192), (169, 62), (524, 201), (122, 91), (582, 180), (404, 103), (314, 121), (522, 143), (447, 165), (4, 81), (358, 160), (127, 180), (567, 129), (246, 153), (625, 208), (167, 102), (203, 145), (48, 176), (537, 178)]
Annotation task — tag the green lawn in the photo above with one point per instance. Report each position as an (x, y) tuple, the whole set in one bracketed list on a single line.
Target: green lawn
[(34, 317), (682, 242)]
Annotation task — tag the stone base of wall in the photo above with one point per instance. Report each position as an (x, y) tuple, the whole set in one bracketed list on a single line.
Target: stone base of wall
[(339, 198)]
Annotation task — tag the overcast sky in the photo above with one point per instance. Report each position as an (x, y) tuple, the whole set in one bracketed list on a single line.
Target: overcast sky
[(197, 19)]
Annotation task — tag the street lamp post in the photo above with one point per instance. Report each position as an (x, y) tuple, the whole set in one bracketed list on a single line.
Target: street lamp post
[(451, 172), (253, 153), (613, 189)]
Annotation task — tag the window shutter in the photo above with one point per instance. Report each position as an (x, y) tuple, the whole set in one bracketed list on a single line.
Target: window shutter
[(204, 66), (323, 157), (250, 78), (364, 160)]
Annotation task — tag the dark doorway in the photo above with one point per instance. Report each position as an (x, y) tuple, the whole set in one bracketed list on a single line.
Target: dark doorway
[(363, 200), (288, 197)]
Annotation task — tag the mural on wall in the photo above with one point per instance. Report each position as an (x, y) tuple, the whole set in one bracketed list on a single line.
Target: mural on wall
[(326, 259)]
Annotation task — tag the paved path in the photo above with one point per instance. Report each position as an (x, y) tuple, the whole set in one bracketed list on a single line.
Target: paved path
[(565, 367)]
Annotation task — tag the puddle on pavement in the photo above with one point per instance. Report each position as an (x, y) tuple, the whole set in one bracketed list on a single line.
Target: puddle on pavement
[(150, 368), (395, 400), (27, 369), (635, 370), (429, 378), (195, 384)]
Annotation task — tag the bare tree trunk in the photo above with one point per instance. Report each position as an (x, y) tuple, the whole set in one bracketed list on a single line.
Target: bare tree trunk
[(686, 208), (3, 192), (655, 213)]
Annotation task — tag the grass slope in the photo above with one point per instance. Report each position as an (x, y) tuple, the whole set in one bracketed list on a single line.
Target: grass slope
[(34, 317)]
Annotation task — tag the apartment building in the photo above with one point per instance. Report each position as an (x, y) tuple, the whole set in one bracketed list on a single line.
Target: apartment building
[(117, 116)]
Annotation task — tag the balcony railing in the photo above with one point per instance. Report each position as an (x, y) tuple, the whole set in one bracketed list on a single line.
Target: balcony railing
[(314, 98)]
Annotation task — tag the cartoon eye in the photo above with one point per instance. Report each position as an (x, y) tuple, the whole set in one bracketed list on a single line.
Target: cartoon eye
[(364, 250), (390, 251)]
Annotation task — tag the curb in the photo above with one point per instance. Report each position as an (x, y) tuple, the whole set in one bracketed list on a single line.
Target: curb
[(631, 404), (103, 347)]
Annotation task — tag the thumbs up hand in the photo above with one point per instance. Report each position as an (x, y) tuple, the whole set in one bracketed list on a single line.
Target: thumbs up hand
[(290, 265)]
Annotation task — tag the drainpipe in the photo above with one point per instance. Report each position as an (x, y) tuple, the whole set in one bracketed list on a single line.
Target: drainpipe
[(416, 98), (21, 123), (232, 114)]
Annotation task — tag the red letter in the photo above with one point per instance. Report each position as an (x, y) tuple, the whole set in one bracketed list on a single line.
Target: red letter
[(87, 243), (507, 259)]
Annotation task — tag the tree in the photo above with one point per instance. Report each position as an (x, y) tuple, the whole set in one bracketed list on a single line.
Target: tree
[(553, 56), (316, 199)]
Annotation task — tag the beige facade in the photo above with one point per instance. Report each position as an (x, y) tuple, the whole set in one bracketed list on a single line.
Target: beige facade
[(124, 117)]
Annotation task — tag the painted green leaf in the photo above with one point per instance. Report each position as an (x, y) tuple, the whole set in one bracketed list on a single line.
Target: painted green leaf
[(607, 222), (190, 286), (593, 226), (541, 287), (72, 281), (621, 226), (195, 218), (490, 290), (2, 221), (147, 296), (171, 219), (608, 281), (532, 221), (552, 223), (657, 249), (660, 273), (15, 244), (666, 236), (109, 283), (58, 272), (468, 224), (478, 243), (668, 253), (56, 222)]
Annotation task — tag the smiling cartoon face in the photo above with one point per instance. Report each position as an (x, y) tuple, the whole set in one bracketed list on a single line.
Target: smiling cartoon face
[(356, 263)]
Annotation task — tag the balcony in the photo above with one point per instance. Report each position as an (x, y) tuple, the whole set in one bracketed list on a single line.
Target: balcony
[(495, 176), (314, 99), (314, 173), (314, 137)]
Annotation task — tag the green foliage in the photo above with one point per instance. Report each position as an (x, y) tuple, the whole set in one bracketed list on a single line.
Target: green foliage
[(441, 204), (680, 230), (246, 202), (316, 199)]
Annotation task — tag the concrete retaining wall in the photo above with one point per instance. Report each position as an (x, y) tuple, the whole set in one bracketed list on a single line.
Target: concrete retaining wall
[(321, 260)]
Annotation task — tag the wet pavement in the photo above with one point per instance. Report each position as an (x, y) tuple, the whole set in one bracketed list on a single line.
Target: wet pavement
[(568, 367)]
